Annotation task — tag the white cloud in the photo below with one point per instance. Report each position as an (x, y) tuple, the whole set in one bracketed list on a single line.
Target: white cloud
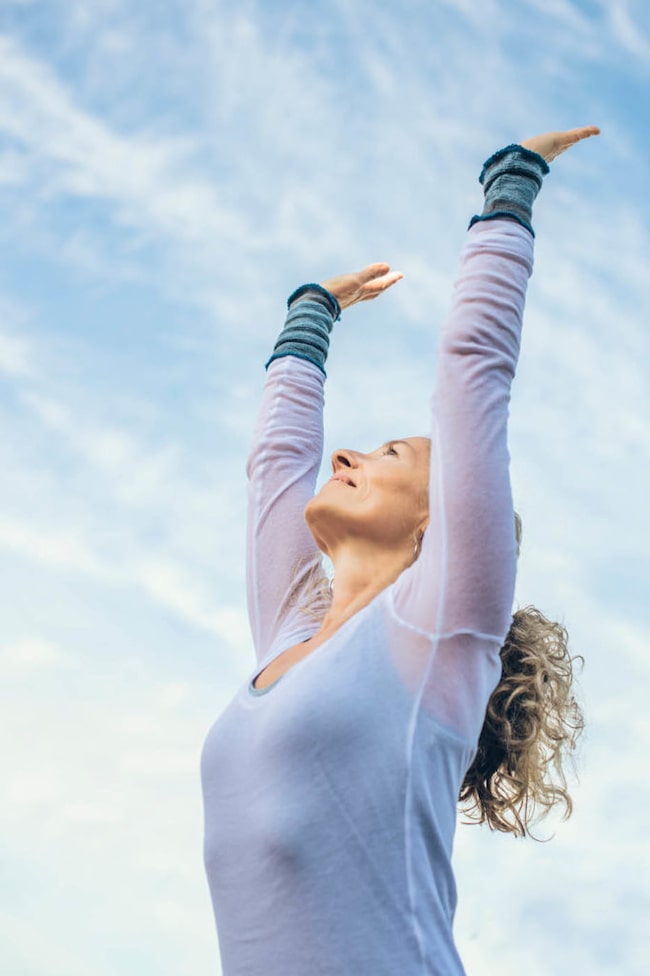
[(176, 589), (15, 355), (136, 478), (28, 654), (57, 548), (146, 181), (627, 31), (19, 355)]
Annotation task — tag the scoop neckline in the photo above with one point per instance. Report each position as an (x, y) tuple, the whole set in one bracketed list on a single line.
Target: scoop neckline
[(260, 692)]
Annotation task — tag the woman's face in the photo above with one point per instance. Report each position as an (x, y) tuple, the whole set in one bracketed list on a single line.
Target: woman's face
[(381, 497)]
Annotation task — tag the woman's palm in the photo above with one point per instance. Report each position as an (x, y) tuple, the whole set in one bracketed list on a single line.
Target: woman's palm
[(551, 144), (361, 286)]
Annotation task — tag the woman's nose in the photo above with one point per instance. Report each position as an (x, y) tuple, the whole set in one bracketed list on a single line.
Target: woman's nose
[(343, 459)]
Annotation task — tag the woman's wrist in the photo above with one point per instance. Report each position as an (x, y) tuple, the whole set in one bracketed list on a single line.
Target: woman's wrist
[(316, 293), (312, 311), (511, 179)]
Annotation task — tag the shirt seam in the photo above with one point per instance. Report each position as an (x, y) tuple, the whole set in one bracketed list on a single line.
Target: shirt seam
[(434, 635), (408, 798)]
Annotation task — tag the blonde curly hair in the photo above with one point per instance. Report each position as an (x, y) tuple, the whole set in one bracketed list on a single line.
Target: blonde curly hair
[(531, 724)]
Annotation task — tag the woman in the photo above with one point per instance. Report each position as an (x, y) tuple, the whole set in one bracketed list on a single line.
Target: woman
[(331, 781)]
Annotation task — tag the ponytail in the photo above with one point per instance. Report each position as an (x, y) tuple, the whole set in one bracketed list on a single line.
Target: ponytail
[(532, 723)]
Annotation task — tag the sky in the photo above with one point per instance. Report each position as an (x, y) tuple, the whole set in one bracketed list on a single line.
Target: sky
[(169, 172)]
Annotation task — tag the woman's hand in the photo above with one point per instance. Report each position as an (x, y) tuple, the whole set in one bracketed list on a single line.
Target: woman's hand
[(551, 144), (361, 286)]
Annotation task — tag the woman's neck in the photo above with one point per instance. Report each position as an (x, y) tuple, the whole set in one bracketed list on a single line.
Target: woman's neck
[(357, 580)]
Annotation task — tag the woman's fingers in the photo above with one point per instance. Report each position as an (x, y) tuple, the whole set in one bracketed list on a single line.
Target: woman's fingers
[(374, 271), (380, 283), (551, 144), (359, 286), (582, 132)]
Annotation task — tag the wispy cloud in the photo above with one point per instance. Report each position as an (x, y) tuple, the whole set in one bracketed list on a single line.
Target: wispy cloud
[(15, 357), (30, 654), (57, 549), (627, 31)]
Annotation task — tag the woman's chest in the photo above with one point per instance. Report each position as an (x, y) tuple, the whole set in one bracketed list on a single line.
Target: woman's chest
[(315, 758), (333, 706)]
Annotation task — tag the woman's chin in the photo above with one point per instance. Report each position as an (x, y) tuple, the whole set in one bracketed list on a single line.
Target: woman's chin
[(314, 509), (322, 514)]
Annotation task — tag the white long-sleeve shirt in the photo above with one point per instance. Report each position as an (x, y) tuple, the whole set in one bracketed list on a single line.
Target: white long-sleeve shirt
[(330, 797)]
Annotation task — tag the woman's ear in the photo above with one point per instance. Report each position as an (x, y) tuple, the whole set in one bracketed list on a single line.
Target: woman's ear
[(419, 536)]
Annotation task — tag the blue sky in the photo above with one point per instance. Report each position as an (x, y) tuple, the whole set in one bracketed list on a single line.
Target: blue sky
[(169, 172)]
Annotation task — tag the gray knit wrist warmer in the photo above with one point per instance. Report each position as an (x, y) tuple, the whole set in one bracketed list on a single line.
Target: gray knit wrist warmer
[(306, 333), (511, 180)]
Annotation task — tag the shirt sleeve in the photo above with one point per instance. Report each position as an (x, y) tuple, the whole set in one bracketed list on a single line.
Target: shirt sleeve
[(282, 467), (464, 577)]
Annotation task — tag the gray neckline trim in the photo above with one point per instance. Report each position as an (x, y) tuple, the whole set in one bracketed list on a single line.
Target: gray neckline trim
[(262, 691)]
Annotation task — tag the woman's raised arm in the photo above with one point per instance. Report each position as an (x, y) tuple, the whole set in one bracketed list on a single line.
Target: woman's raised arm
[(285, 456), (463, 581)]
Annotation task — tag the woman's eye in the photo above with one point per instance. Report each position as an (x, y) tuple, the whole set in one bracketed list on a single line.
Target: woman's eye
[(391, 450)]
